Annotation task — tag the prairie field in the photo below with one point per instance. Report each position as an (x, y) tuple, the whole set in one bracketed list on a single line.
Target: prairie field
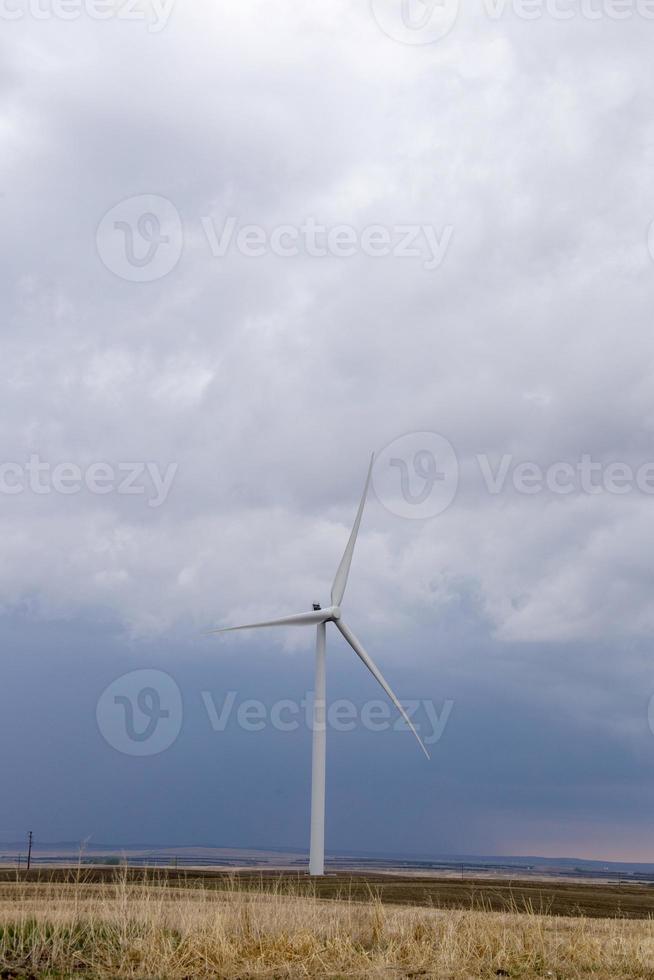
[(150, 927)]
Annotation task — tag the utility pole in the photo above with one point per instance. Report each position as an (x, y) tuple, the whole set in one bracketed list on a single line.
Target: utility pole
[(29, 850)]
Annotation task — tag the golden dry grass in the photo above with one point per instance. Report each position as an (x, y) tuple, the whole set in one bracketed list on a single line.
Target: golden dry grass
[(150, 929)]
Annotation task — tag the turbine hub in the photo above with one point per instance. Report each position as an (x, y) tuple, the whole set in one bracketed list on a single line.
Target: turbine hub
[(336, 612)]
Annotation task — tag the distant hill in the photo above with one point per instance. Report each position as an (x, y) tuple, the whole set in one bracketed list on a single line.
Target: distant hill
[(66, 852)]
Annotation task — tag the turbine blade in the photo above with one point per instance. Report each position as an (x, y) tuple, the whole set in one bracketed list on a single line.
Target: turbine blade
[(376, 673), (300, 619), (340, 580)]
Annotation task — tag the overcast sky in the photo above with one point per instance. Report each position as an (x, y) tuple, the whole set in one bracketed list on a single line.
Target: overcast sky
[(245, 245)]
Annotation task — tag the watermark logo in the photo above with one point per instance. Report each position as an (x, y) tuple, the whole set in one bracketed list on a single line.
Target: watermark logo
[(141, 238), (417, 475), (415, 21), (140, 713), (426, 21)]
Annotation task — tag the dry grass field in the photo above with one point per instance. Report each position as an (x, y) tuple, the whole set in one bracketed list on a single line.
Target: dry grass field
[(150, 927)]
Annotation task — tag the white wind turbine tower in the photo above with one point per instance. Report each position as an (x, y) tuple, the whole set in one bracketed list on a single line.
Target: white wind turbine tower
[(319, 618)]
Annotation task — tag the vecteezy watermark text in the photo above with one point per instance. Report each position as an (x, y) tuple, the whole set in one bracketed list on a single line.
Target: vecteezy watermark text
[(584, 475), (418, 475), (318, 240), (562, 10), (141, 239), (427, 21), (141, 713), (40, 477), (156, 13), (342, 715)]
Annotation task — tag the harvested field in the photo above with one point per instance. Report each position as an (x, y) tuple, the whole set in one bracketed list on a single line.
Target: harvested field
[(119, 926)]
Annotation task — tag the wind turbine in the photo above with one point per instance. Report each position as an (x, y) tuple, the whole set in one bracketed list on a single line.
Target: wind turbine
[(319, 618)]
